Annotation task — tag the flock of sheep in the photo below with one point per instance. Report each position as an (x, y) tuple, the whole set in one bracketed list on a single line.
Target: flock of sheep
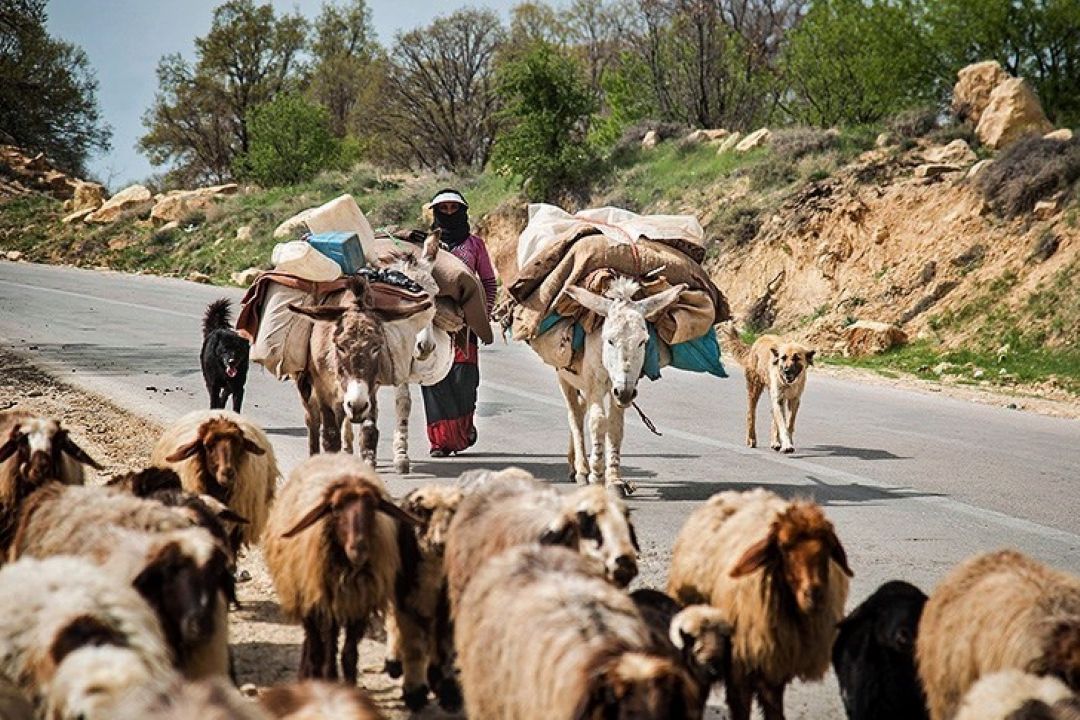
[(499, 594)]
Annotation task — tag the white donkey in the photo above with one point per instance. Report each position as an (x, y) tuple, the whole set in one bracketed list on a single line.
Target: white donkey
[(605, 383)]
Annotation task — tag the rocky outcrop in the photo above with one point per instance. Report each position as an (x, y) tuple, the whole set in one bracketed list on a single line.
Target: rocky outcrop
[(132, 200), (706, 136), (651, 140), (868, 337), (1062, 135), (974, 84), (22, 174), (756, 139), (1013, 111), (729, 142), (244, 278), (86, 196), (957, 152), (178, 204)]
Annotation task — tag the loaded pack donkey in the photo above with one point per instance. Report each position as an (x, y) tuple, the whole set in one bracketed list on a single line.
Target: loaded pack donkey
[(603, 383), (355, 348)]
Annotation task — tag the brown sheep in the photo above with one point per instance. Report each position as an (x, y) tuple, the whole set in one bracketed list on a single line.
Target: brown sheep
[(1034, 611), (331, 546), (510, 508), (313, 700), (421, 605), (540, 633), (34, 450), (228, 457), (778, 572)]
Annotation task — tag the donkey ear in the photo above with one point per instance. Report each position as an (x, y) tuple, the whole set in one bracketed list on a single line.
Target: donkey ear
[(185, 451), (328, 313), (397, 513), (431, 245), (755, 557), (651, 307), (313, 516), (589, 300), (836, 552), (68, 446)]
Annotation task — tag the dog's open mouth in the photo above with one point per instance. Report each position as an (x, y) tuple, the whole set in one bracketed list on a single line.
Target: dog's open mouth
[(230, 371)]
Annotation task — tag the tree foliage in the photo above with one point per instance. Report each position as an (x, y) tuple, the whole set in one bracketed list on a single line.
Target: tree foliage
[(347, 71), (48, 92), (199, 119), (442, 105), (548, 108), (290, 142)]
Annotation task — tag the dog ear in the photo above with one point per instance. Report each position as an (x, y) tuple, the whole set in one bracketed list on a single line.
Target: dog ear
[(775, 355), (810, 356)]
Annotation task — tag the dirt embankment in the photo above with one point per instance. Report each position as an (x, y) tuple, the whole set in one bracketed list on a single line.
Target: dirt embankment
[(266, 649)]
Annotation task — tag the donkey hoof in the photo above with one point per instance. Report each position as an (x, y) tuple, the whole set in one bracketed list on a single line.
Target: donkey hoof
[(402, 466)]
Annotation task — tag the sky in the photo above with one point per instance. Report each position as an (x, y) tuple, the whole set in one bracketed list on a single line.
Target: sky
[(124, 39)]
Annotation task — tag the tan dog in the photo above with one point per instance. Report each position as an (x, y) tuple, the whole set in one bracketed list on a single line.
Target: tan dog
[(773, 363)]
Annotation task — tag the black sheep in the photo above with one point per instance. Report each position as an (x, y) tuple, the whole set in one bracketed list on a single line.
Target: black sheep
[(874, 655), (224, 357)]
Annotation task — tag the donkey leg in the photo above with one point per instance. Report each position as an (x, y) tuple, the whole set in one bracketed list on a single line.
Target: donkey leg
[(369, 432), (331, 429), (575, 416), (347, 436), (613, 440), (598, 426), (313, 420), (402, 408)]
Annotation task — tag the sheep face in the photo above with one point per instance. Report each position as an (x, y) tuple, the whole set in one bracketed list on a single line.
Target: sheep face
[(434, 506), (799, 546), (634, 686), (221, 447), (605, 532), (182, 581), (350, 506), (38, 445)]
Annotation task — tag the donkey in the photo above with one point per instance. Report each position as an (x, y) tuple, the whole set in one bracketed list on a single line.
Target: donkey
[(604, 383)]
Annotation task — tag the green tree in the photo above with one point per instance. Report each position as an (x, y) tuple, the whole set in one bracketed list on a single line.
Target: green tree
[(548, 107), (347, 73), (1035, 39), (199, 120), (48, 92), (290, 142), (859, 61)]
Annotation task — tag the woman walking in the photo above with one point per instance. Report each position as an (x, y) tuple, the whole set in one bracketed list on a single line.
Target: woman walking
[(449, 404)]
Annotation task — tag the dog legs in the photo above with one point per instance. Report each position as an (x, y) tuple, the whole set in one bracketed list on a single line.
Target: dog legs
[(793, 409), (781, 438), (753, 394)]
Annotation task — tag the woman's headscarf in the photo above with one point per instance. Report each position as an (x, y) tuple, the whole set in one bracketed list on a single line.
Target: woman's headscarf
[(455, 227)]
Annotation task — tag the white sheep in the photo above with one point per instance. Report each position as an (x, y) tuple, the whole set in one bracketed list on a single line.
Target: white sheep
[(314, 700), (1016, 695), (779, 574), (224, 455), (541, 633)]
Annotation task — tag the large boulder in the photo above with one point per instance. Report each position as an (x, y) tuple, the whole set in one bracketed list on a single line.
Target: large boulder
[(132, 200), (868, 337), (87, 195), (651, 140), (729, 142), (1013, 111), (971, 94), (754, 140), (1062, 135), (177, 204), (244, 278), (957, 152)]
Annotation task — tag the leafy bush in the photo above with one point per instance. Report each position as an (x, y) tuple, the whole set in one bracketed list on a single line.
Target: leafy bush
[(1028, 171), (549, 107), (914, 122), (290, 142)]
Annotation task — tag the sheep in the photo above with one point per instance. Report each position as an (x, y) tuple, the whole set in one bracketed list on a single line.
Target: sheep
[(13, 704), (1034, 611), (698, 636), (510, 507), (1016, 695), (421, 604), (178, 568), (35, 450), (540, 632), (221, 454), (874, 655), (312, 700), (52, 608), (331, 546), (778, 572), (105, 682)]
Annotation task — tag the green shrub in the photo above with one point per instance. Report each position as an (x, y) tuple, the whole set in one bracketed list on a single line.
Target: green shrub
[(290, 142)]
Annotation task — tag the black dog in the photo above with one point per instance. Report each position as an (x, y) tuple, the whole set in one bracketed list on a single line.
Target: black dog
[(224, 357)]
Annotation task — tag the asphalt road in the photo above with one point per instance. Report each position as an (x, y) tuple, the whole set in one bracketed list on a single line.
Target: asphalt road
[(914, 482)]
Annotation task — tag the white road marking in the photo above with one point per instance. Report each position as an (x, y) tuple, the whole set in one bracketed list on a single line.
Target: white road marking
[(947, 504), (68, 293)]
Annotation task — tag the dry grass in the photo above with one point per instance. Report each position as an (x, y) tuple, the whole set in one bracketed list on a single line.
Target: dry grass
[(1030, 170)]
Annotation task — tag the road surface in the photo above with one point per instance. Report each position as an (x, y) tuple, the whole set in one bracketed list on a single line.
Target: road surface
[(914, 482)]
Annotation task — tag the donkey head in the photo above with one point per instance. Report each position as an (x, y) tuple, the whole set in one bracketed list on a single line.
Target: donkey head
[(624, 331), (418, 268)]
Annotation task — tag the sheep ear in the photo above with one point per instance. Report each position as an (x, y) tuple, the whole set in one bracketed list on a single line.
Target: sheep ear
[(589, 300), (836, 552), (68, 445), (327, 313), (810, 356), (82, 631), (755, 557), (651, 307), (561, 532), (431, 245), (313, 516), (252, 447), (8, 449), (185, 451), (230, 516), (397, 513)]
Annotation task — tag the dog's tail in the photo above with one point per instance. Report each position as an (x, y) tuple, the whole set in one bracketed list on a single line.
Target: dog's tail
[(734, 342), (218, 316)]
